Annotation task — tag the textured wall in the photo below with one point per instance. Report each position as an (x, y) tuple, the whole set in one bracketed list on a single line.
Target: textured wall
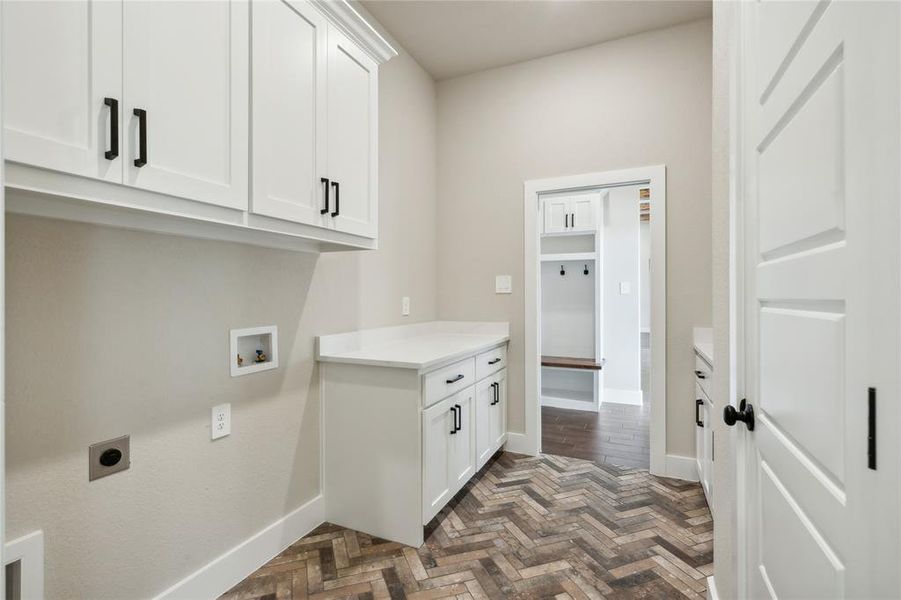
[(641, 100), (113, 332)]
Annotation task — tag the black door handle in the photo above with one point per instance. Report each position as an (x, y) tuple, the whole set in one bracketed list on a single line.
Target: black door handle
[(495, 361), (324, 180), (455, 379), (141, 114), (337, 210), (459, 416), (113, 151), (745, 414), (698, 420), (454, 410), (700, 374)]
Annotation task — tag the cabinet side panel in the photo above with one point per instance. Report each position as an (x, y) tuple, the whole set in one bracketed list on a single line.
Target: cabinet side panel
[(372, 454)]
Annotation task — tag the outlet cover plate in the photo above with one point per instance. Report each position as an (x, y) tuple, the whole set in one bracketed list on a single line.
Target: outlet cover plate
[(220, 421), (96, 469), (503, 284)]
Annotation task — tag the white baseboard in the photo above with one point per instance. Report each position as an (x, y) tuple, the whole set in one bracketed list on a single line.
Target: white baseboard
[(221, 574), (614, 396), (519, 443), (712, 594), (681, 467), (29, 549), (568, 403)]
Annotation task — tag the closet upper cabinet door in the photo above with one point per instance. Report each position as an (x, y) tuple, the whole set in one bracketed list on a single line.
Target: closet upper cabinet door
[(556, 215), (583, 213), (61, 60), (352, 136), (289, 111), (186, 64)]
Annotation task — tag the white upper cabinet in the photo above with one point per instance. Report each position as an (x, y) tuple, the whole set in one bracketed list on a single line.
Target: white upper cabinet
[(146, 105), (289, 111), (186, 66), (352, 136), (61, 61), (571, 214)]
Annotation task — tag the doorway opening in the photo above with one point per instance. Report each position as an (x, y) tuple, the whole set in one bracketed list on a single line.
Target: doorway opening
[(595, 362)]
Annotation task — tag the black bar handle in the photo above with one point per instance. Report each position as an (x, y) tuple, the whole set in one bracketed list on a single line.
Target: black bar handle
[(459, 416), (566, 221), (141, 114), (700, 374), (572, 219), (494, 361), (455, 379), (337, 210), (698, 420), (113, 151), (496, 386), (324, 180), (454, 410)]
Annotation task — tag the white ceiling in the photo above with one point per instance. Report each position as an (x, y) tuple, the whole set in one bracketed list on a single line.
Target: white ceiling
[(455, 37)]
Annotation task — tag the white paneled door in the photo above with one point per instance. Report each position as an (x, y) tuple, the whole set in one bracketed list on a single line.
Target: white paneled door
[(289, 111), (819, 131), (186, 66), (352, 136), (62, 105)]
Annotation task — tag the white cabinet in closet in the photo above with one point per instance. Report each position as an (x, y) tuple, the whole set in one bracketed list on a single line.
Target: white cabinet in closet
[(62, 86), (185, 93), (571, 214), (704, 413)]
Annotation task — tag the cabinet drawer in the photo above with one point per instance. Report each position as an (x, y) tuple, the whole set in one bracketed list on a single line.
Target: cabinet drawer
[(703, 373), (447, 380), (491, 362)]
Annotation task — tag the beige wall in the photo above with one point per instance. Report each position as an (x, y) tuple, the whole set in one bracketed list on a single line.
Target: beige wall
[(724, 467), (638, 101), (113, 332)]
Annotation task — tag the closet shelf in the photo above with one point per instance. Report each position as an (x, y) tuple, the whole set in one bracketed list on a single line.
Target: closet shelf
[(568, 256), (568, 362)]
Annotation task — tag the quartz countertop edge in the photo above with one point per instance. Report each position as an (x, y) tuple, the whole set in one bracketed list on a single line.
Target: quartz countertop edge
[(423, 347), (703, 343)]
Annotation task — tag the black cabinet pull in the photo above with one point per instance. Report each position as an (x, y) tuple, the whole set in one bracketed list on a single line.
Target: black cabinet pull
[(497, 387), (700, 374), (113, 151), (454, 410), (141, 114), (572, 219), (455, 379), (494, 361), (459, 416), (698, 420), (566, 221), (324, 180), (337, 210)]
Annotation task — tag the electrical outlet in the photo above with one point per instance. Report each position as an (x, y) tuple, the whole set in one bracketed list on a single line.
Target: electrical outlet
[(106, 458), (405, 306), (221, 421)]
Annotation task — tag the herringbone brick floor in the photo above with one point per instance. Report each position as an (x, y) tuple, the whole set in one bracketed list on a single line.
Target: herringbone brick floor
[(523, 528)]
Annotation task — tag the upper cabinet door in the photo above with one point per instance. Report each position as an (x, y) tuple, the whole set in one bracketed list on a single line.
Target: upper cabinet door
[(289, 111), (186, 65), (583, 213), (352, 136), (556, 215), (61, 60)]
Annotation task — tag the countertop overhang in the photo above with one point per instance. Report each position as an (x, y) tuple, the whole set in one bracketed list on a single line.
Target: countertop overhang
[(423, 346)]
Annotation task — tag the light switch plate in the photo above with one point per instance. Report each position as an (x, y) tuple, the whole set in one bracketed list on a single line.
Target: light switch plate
[(221, 421), (503, 284), (405, 306), (625, 288)]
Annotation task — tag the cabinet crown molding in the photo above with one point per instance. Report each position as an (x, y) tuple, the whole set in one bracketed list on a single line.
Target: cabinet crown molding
[(352, 23)]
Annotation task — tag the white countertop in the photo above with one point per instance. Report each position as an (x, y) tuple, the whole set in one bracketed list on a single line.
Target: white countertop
[(423, 346), (703, 343)]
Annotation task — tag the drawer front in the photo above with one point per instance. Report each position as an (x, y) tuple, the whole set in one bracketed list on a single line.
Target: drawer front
[(703, 373), (491, 362), (448, 380)]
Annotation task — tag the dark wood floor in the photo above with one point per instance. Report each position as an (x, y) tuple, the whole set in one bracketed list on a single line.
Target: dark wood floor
[(618, 434), (523, 528)]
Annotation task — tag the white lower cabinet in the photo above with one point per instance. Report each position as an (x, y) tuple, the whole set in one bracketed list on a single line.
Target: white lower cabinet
[(438, 423), (491, 416), (704, 415)]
